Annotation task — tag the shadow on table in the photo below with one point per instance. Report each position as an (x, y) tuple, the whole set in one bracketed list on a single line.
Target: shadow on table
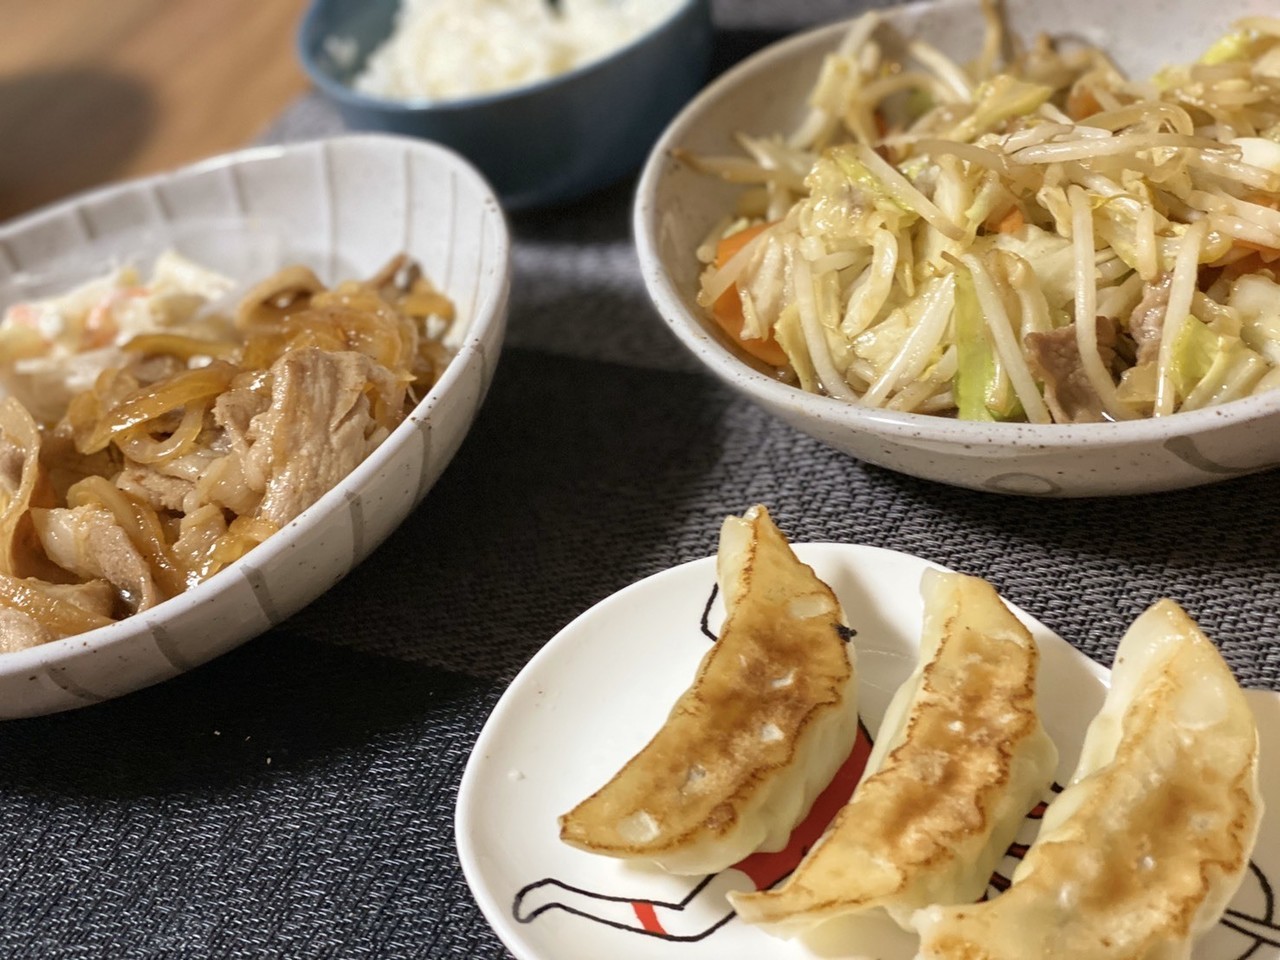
[(67, 130), (577, 479), (278, 709)]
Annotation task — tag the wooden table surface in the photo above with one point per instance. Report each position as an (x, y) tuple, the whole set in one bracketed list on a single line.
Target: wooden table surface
[(93, 91)]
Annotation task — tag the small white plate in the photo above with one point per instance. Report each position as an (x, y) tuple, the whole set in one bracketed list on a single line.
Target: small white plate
[(597, 692)]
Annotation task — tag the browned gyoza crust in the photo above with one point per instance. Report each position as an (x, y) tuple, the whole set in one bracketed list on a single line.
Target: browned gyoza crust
[(1144, 849), (779, 676), (965, 758)]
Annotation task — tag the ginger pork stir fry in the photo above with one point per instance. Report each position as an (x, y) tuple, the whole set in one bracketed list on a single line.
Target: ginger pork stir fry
[(149, 439), (1029, 237)]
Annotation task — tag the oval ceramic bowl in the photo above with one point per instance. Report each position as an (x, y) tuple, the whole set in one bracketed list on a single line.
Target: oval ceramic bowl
[(342, 207), (539, 144), (676, 207)]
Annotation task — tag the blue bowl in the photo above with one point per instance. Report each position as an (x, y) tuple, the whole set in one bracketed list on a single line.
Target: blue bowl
[(538, 144)]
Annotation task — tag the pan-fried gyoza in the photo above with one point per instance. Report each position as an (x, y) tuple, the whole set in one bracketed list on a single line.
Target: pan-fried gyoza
[(764, 726)]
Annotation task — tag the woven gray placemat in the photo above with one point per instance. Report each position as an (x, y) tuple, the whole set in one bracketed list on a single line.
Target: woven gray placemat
[(581, 477), (295, 798)]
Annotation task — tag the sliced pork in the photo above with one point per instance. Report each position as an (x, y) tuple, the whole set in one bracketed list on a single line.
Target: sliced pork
[(327, 412), (88, 542), (91, 601), (1055, 358)]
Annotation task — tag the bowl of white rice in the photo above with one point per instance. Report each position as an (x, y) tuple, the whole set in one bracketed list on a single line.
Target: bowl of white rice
[(550, 101)]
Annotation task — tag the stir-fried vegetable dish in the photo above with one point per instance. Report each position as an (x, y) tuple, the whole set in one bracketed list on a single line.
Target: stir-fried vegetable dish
[(1031, 236), (149, 437)]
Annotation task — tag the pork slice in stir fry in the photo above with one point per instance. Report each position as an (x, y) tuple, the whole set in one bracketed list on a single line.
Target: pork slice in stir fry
[(200, 440), (92, 602), (22, 483), (327, 412), (89, 542), (155, 487), (175, 484), (1055, 356), (18, 631)]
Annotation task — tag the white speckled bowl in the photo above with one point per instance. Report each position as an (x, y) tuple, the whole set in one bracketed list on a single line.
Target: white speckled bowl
[(676, 207), (343, 207)]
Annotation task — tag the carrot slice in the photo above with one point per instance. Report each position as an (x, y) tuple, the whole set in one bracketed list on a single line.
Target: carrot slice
[(727, 310), (1011, 222), (1081, 103), (882, 125)]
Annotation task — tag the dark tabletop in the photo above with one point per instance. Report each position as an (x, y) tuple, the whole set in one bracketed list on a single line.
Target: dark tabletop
[(295, 797)]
